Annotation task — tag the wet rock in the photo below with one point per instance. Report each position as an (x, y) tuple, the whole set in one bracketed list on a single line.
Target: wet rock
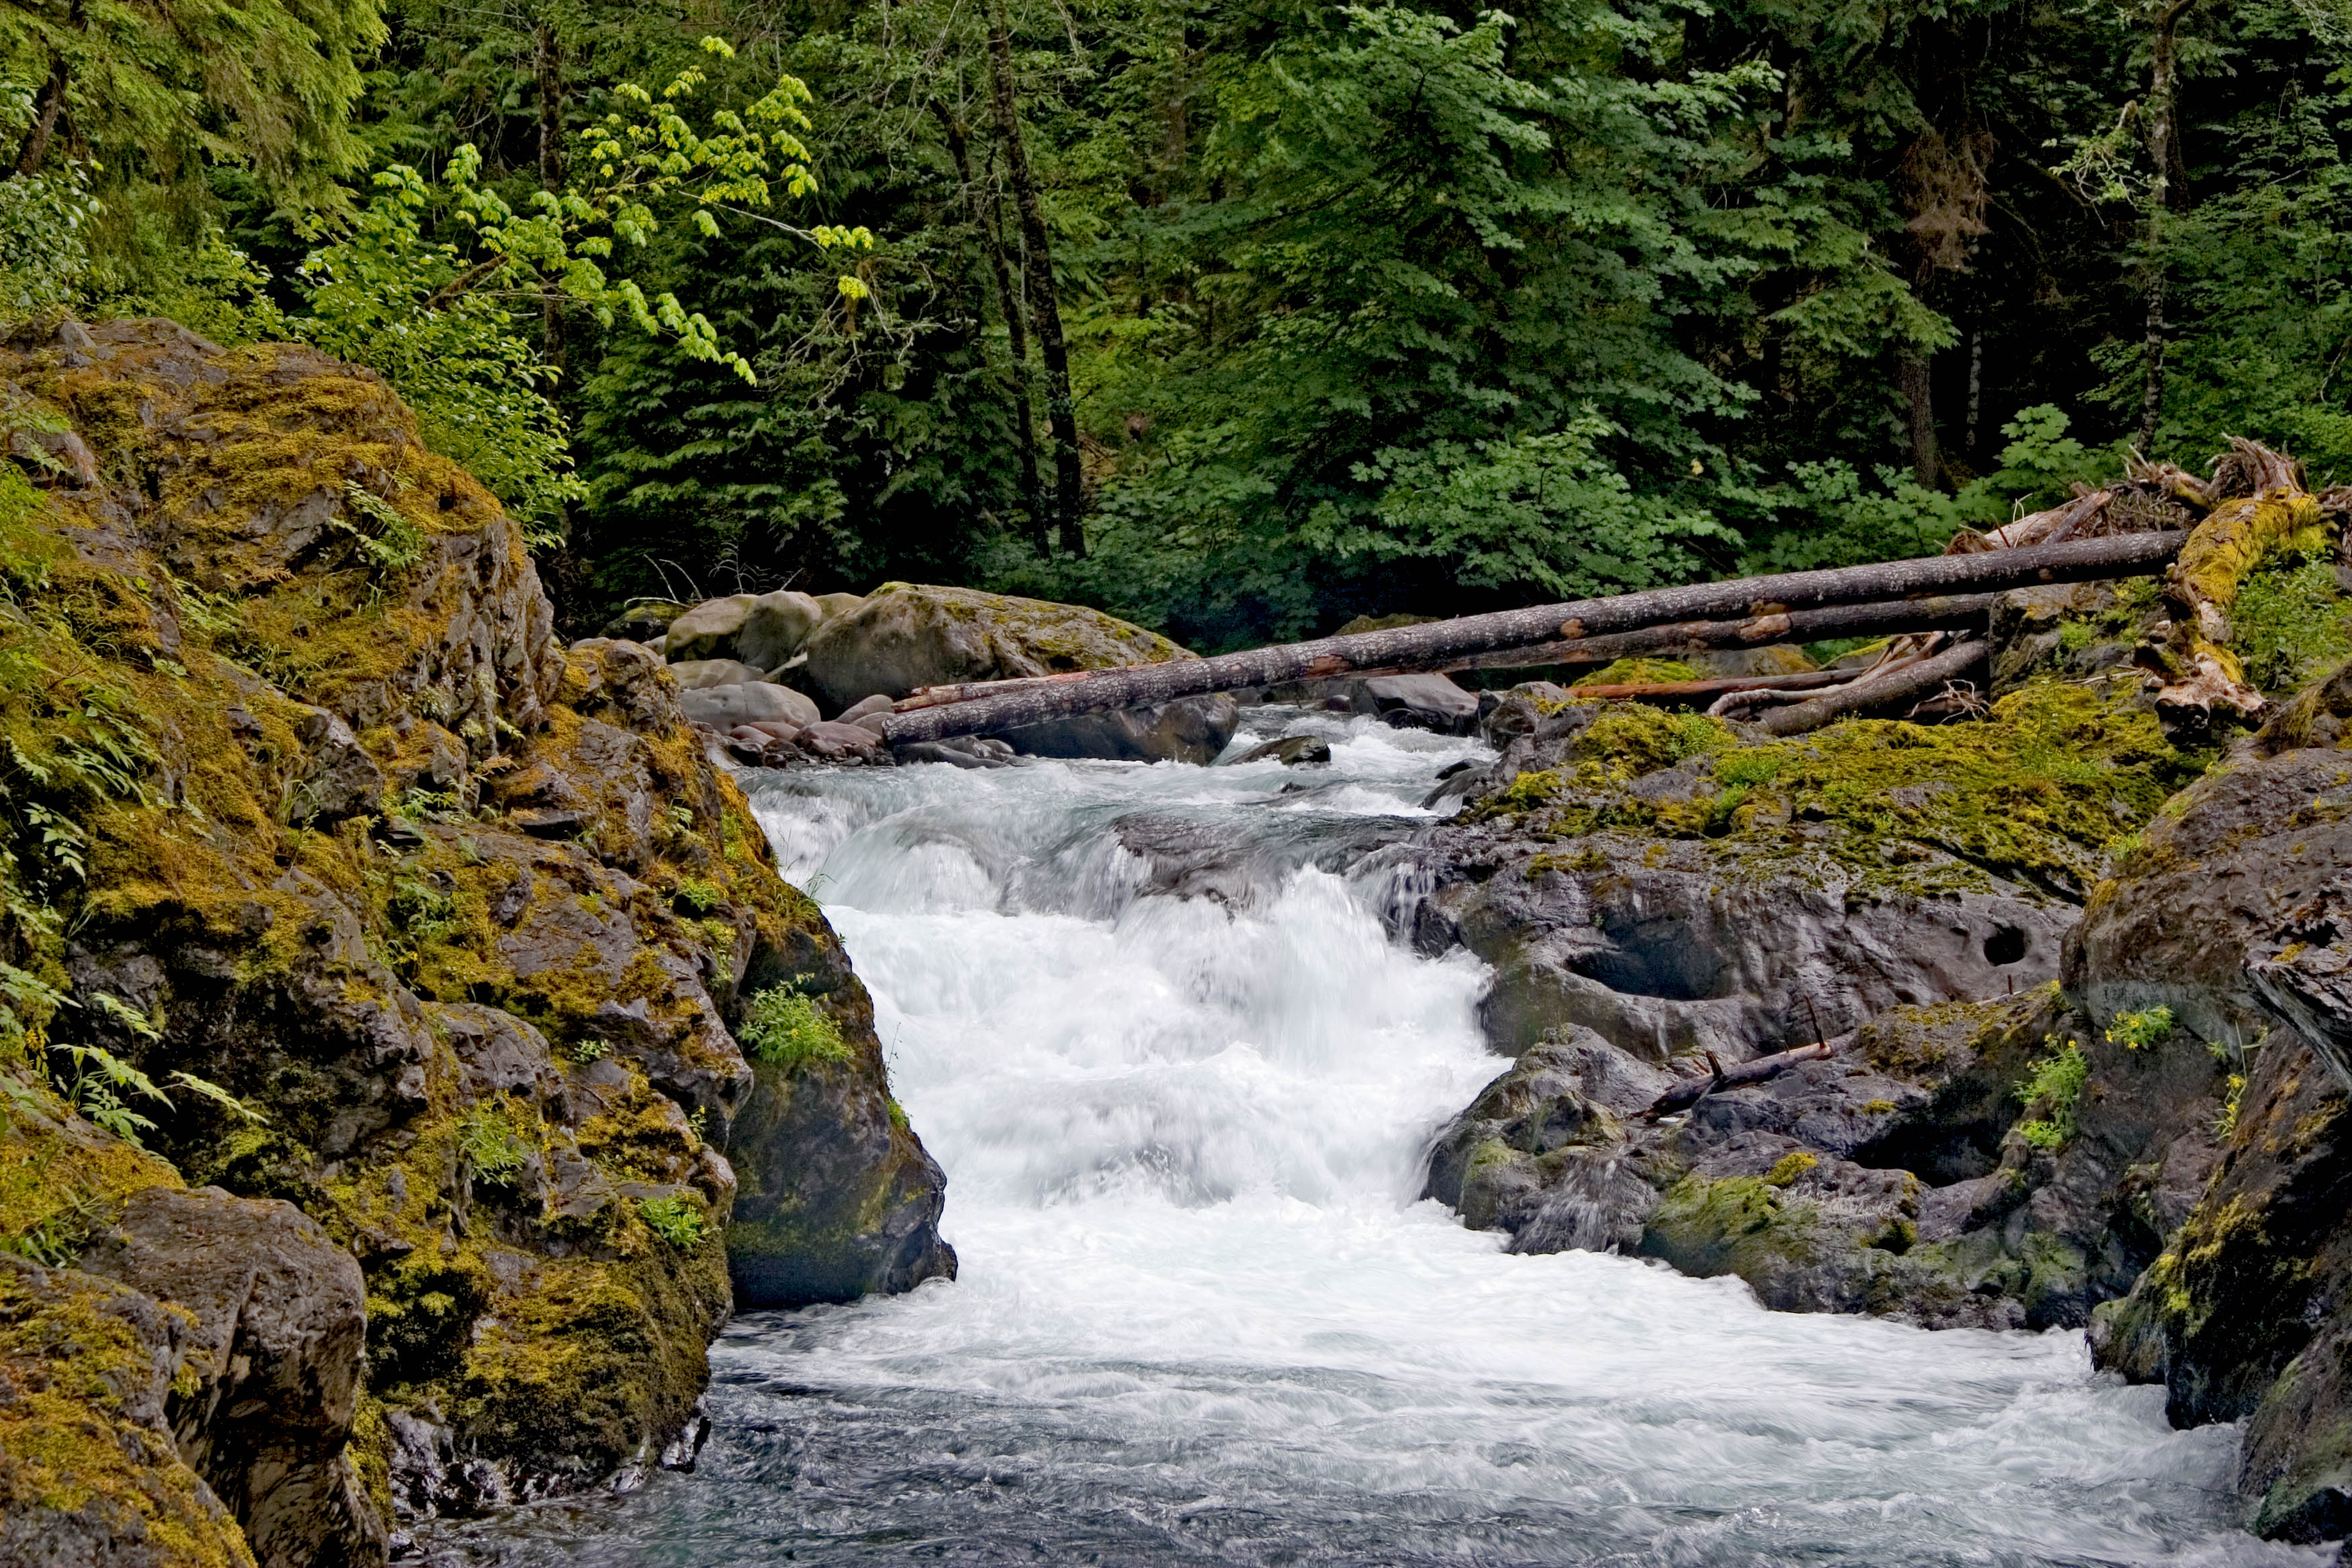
[(270, 1367), (1194, 730), (1416, 703), (1291, 752), (829, 740), (962, 752)]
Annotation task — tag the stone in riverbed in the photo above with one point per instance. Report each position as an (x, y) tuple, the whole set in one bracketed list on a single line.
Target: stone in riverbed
[(747, 702), (1416, 703), (1291, 752), (696, 674), (776, 627), (904, 637)]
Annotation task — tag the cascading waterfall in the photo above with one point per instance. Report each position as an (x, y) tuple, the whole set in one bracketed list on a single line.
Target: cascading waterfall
[(1180, 1080)]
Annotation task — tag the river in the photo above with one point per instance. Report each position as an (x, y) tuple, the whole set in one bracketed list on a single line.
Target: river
[(1203, 1318)]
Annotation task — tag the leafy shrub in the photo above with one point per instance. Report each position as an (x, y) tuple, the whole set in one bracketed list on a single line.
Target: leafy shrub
[(676, 1219), (2054, 1083), (783, 1028), (2290, 624), (489, 1145), (2137, 1031)]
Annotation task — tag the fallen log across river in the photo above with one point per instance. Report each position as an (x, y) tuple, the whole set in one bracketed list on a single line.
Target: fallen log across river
[(1431, 644)]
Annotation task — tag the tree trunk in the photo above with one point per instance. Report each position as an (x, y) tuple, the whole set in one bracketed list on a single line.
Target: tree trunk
[(2168, 194), (1061, 410), (1090, 691), (49, 105), (1958, 611), (1918, 398), (1016, 329), (1918, 680), (547, 75)]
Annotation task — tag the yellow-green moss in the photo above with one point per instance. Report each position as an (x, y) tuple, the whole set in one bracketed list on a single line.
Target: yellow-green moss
[(1640, 672), (2039, 791), (67, 1443)]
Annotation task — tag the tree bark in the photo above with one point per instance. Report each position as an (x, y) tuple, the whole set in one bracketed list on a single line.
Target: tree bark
[(1911, 681), (1691, 1091), (547, 76), (49, 105), (1016, 329), (2168, 194), (1090, 691), (1061, 409), (1959, 612), (1918, 398), (1684, 690)]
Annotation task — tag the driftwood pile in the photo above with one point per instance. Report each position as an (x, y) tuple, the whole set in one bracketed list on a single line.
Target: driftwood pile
[(2202, 535)]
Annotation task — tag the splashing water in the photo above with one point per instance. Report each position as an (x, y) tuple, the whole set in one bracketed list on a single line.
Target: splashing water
[(1201, 1317)]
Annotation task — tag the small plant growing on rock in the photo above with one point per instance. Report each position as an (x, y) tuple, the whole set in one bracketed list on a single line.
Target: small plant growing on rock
[(591, 1050), (783, 1028), (676, 1219), (2226, 1124), (491, 1147), (2054, 1083), (2137, 1031), (696, 895)]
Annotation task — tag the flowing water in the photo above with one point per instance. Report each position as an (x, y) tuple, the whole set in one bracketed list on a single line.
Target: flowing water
[(1201, 1317)]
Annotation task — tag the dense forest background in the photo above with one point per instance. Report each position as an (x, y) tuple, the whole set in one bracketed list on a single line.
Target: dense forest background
[(1237, 317)]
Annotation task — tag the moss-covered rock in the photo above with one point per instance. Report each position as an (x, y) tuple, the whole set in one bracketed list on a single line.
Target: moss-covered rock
[(463, 915), (904, 636), (89, 1472)]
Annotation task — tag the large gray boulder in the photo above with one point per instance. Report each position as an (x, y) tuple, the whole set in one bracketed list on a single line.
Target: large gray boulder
[(904, 637), (1427, 701), (747, 702), (271, 1362), (708, 630), (776, 627)]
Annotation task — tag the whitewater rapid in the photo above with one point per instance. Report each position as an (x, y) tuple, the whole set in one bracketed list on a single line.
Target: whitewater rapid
[(1203, 1318)]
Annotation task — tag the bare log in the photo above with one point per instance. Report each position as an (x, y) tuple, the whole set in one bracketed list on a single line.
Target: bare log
[(1951, 612), (1910, 681), (1691, 1091), (1140, 685)]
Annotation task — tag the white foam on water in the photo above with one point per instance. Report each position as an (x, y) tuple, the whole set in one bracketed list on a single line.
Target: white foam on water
[(1202, 1316)]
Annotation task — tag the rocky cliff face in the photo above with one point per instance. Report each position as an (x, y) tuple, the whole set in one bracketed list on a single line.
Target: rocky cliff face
[(2085, 991), (305, 800)]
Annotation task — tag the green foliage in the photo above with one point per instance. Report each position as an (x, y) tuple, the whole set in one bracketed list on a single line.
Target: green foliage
[(783, 1028), (2290, 624), (585, 1051), (489, 1145), (391, 543), (2225, 1124), (2137, 1031), (697, 895), (676, 1219), (2053, 1082)]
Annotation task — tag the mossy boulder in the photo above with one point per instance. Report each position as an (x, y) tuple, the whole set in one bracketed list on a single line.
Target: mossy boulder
[(1667, 881), (463, 916), (89, 1472), (904, 636)]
